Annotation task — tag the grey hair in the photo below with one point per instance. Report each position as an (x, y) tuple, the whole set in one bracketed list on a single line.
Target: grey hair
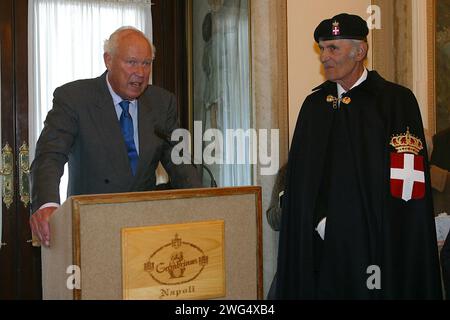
[(355, 44), (110, 45)]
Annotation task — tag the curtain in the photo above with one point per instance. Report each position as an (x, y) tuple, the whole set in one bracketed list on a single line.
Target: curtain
[(225, 99), (65, 43)]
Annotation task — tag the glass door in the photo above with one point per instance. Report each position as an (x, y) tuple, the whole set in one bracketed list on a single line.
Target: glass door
[(19, 260)]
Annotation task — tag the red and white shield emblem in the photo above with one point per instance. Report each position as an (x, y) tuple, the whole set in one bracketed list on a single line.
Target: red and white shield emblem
[(407, 176)]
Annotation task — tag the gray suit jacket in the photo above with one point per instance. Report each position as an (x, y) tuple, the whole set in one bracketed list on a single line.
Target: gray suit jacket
[(273, 213), (82, 128)]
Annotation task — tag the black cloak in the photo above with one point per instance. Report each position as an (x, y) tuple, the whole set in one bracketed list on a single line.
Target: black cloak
[(339, 167)]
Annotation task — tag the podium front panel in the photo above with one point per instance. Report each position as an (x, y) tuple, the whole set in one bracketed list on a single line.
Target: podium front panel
[(96, 222)]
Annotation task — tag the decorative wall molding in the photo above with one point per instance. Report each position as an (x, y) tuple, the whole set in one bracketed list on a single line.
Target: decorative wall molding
[(270, 101), (431, 65), (419, 56)]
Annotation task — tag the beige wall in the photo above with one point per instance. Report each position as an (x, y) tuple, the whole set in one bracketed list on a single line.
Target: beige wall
[(304, 71)]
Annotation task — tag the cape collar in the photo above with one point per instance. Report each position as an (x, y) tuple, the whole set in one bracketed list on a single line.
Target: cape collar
[(341, 91), (371, 85)]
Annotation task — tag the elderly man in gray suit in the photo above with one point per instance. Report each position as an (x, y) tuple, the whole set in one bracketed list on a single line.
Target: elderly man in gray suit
[(104, 128)]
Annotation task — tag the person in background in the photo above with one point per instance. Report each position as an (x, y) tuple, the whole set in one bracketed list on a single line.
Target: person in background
[(273, 215), (105, 129), (357, 219), (440, 180), (440, 171), (445, 263)]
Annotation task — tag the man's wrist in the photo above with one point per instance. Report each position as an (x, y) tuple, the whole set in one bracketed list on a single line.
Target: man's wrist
[(49, 204)]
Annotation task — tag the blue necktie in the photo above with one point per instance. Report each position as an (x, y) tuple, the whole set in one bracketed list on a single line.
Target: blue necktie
[(126, 124)]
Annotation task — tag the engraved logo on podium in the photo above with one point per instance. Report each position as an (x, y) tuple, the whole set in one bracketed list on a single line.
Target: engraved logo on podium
[(176, 262)]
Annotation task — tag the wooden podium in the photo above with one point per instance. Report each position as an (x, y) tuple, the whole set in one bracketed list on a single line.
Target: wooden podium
[(177, 244)]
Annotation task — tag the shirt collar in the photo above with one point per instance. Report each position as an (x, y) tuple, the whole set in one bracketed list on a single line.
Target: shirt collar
[(116, 98), (361, 79)]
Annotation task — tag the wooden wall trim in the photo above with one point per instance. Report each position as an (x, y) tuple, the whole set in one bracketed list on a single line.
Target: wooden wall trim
[(431, 74), (170, 66)]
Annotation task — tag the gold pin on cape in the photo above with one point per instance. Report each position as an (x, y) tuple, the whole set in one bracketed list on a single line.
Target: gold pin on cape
[(330, 98), (333, 99), (346, 100)]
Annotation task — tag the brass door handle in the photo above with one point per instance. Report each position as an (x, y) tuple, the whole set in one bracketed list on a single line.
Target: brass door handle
[(7, 172), (24, 174)]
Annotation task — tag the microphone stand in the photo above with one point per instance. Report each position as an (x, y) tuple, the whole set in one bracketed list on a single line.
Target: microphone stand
[(166, 138)]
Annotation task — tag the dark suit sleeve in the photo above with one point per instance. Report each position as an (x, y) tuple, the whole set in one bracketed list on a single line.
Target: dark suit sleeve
[(52, 150), (275, 208), (441, 150), (182, 175)]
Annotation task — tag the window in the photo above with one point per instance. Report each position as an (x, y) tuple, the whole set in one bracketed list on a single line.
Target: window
[(221, 78)]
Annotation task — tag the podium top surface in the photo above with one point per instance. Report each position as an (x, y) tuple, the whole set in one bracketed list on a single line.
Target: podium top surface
[(164, 195)]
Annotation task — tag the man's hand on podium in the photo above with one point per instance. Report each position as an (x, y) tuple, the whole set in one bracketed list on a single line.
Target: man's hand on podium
[(40, 226)]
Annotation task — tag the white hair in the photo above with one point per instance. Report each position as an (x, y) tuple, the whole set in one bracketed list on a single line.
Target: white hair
[(110, 45), (355, 44)]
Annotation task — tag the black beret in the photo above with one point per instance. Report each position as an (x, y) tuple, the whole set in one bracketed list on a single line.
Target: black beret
[(342, 26)]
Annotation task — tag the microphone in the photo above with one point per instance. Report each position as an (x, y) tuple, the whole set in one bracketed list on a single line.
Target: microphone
[(167, 139)]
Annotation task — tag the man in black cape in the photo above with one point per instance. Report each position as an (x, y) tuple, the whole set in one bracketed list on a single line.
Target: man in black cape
[(357, 219)]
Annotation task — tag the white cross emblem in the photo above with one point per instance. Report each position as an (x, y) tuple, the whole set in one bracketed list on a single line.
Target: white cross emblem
[(336, 31), (408, 175)]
